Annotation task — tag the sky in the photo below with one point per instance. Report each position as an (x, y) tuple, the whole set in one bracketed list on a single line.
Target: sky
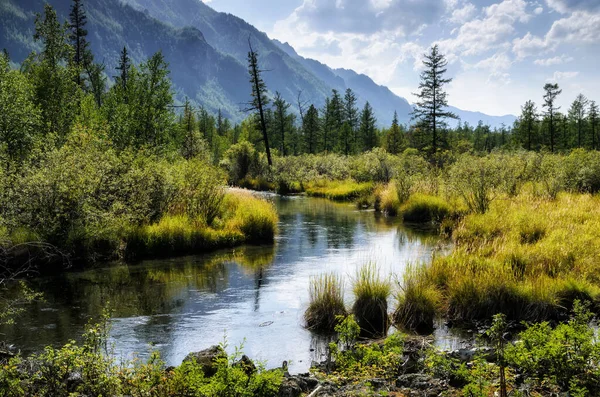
[(500, 52)]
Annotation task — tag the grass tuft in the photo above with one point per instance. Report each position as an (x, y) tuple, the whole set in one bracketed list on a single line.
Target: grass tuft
[(371, 294), (326, 303), (338, 190), (422, 208)]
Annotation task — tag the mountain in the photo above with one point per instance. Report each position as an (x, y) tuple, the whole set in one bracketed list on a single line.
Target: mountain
[(207, 52)]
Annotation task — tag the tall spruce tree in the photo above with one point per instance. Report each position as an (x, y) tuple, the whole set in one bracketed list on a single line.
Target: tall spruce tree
[(552, 91), (310, 129), (577, 117), (527, 123), (282, 121), (259, 97), (368, 127), (123, 68), (82, 56), (394, 139), (432, 99), (593, 120), (351, 117)]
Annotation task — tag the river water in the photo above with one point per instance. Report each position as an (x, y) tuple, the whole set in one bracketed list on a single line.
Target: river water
[(255, 296)]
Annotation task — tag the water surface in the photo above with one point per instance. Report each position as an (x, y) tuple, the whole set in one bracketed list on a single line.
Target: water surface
[(250, 295)]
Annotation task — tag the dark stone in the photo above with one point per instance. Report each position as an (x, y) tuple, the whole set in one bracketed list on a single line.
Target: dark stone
[(426, 385), (289, 388), (303, 383), (246, 364), (74, 380), (208, 359)]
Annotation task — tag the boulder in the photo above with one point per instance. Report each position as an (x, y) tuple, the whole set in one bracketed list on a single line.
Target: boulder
[(207, 359), (246, 364)]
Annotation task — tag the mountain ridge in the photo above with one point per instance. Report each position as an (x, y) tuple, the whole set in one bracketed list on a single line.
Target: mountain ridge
[(207, 50)]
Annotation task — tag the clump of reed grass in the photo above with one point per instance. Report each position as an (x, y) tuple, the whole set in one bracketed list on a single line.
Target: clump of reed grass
[(345, 190), (389, 203), (255, 218), (371, 293), (421, 208), (419, 303), (326, 303)]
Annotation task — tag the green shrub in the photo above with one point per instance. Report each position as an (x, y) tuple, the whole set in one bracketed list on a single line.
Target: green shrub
[(477, 180)]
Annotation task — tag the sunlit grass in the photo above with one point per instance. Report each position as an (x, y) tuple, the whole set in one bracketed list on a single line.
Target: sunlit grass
[(326, 302), (422, 208), (371, 293), (338, 190), (244, 219), (527, 257)]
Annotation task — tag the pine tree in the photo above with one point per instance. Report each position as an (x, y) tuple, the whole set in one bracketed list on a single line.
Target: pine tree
[(394, 140), (577, 116), (593, 120), (551, 93), (123, 68), (259, 97), (351, 117), (432, 99), (368, 128), (82, 56), (310, 129), (282, 122), (527, 123)]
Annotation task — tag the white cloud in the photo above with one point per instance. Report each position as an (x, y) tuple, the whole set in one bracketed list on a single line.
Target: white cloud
[(463, 14), (562, 76), (557, 60), (538, 10), (488, 32), (566, 6)]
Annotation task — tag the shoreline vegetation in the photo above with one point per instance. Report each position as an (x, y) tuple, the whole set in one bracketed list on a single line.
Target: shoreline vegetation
[(95, 168)]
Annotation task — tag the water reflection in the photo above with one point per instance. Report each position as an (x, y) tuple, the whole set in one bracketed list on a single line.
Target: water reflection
[(252, 294)]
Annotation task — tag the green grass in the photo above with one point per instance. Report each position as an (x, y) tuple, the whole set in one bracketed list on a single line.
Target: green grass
[(387, 200), (422, 208), (419, 303), (527, 257), (346, 190), (326, 303), (371, 293), (244, 219)]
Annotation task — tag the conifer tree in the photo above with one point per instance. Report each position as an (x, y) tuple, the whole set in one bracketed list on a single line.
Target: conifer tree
[(368, 128), (123, 68), (310, 129), (282, 122), (527, 123), (551, 93), (432, 99), (351, 117), (259, 97), (577, 116), (82, 56), (394, 140), (593, 120)]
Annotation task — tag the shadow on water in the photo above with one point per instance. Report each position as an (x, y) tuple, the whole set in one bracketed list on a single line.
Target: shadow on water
[(250, 295)]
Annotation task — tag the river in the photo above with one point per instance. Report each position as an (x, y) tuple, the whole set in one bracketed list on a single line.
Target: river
[(255, 296)]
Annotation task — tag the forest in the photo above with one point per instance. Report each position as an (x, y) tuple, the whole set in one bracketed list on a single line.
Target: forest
[(101, 165)]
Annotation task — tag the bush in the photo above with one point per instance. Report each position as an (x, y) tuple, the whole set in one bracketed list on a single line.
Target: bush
[(371, 295), (326, 303), (476, 180), (241, 161)]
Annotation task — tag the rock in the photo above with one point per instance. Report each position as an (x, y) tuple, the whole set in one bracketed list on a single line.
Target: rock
[(468, 355), (246, 364), (74, 380), (296, 385), (207, 359), (425, 385)]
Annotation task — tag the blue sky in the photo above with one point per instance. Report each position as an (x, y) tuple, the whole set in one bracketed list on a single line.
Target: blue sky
[(501, 52)]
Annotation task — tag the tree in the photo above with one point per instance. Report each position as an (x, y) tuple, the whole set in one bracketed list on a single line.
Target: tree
[(351, 117), (577, 116), (56, 92), (527, 122), (551, 93), (432, 99), (123, 68), (259, 97), (368, 129), (394, 139), (310, 129), (283, 121), (82, 56), (593, 120), (19, 117)]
